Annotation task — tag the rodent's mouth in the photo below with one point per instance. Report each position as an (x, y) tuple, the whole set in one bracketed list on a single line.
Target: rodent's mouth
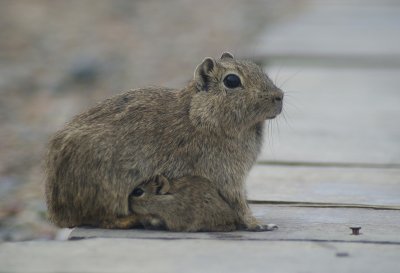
[(274, 114), (271, 117)]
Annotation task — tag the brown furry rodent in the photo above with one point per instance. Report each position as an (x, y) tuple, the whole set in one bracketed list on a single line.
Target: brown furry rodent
[(212, 128), (185, 204), (188, 203)]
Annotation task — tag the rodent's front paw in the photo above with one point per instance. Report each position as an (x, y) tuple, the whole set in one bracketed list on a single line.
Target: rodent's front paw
[(260, 227)]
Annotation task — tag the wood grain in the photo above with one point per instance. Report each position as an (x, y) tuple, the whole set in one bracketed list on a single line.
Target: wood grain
[(372, 186)]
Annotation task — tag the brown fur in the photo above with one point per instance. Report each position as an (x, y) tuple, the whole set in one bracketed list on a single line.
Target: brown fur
[(204, 129), (189, 204), (185, 204)]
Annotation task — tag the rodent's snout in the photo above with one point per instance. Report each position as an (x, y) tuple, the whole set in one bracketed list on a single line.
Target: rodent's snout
[(277, 96), (277, 100)]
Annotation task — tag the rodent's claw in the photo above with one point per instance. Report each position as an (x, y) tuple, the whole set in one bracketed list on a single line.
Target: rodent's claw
[(259, 228)]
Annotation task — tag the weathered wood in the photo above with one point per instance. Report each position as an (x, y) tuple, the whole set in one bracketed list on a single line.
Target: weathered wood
[(295, 223), (121, 255), (339, 28), (336, 115), (325, 185)]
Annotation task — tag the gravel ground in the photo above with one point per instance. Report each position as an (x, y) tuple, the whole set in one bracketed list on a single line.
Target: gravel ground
[(59, 57)]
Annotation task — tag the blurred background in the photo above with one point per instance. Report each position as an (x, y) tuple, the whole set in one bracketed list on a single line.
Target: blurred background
[(57, 58)]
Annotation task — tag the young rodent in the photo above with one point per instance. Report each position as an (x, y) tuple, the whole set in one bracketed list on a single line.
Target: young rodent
[(212, 128), (188, 204), (185, 204)]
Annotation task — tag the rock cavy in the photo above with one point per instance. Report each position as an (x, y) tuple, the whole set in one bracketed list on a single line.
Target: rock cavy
[(184, 204), (187, 204), (212, 128)]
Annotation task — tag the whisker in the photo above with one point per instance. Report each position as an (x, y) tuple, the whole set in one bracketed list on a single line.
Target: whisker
[(284, 114), (289, 101), (277, 76), (289, 78), (277, 127), (271, 138), (268, 135)]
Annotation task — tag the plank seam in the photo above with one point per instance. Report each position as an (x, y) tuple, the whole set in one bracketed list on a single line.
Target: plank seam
[(329, 164), (322, 205), (73, 238)]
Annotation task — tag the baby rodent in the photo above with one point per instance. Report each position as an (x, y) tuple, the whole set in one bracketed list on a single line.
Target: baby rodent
[(188, 203), (212, 128)]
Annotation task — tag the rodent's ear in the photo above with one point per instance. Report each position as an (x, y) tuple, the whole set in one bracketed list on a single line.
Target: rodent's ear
[(227, 55), (162, 184), (203, 73)]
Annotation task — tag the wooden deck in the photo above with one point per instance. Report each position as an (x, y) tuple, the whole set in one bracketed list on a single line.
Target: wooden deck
[(334, 163)]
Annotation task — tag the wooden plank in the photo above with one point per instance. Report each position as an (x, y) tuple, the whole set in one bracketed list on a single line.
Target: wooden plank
[(336, 115), (379, 187), (295, 224), (121, 255), (336, 28)]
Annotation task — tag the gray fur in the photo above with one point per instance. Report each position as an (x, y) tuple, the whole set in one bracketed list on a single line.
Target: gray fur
[(204, 129), (187, 204)]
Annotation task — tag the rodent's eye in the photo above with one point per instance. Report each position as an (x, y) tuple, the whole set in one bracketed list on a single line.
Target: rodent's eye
[(137, 192), (232, 81)]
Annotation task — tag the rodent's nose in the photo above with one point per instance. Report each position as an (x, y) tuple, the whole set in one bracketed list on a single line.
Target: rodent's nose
[(277, 96)]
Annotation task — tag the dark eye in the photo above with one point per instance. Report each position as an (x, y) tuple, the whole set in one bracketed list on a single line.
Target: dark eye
[(232, 81), (137, 192)]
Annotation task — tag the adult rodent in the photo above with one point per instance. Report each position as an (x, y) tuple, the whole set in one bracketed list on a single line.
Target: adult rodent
[(212, 128)]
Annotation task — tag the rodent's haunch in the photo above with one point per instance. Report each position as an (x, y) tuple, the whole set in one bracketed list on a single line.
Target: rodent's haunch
[(212, 128)]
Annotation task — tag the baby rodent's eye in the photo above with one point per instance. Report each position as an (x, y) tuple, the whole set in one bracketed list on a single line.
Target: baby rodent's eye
[(232, 81), (137, 192)]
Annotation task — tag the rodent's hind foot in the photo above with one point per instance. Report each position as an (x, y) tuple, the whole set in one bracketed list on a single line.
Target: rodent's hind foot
[(261, 227)]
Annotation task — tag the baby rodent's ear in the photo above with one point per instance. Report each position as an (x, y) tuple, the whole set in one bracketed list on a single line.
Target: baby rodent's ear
[(203, 73), (162, 184), (226, 55)]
